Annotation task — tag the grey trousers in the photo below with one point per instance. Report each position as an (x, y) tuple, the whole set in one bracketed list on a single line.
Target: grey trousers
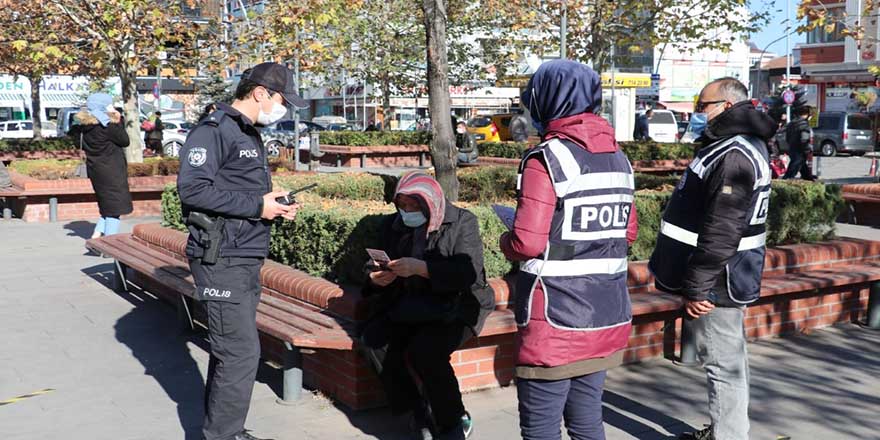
[(721, 348)]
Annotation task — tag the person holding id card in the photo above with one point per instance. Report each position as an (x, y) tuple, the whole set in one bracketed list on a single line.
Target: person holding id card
[(429, 294)]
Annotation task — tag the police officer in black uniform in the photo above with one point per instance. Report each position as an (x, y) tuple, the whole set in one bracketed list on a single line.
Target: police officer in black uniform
[(224, 178)]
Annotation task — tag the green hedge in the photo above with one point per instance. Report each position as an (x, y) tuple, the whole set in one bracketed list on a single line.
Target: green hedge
[(366, 138), (49, 144), (60, 169), (634, 150), (329, 235), (328, 238)]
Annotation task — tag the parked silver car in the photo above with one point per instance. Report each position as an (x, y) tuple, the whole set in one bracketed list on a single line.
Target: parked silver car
[(840, 132), (281, 134)]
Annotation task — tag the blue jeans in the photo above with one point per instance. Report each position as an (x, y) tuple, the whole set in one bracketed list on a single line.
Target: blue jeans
[(107, 225), (544, 403), (721, 348)]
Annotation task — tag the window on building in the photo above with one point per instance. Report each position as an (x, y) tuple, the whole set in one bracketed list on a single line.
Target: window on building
[(821, 35)]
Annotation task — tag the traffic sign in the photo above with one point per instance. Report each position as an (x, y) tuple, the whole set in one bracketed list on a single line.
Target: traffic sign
[(788, 97), (156, 90)]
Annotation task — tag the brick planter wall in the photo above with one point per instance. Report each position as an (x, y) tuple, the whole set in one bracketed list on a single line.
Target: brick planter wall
[(76, 198), (863, 201), (377, 156), (488, 362)]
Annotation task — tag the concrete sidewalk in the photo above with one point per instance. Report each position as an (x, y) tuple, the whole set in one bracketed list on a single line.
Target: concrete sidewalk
[(120, 369)]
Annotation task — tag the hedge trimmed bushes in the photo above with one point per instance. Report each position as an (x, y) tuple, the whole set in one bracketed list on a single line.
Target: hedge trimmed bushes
[(368, 138), (329, 237), (48, 144), (634, 150), (61, 169), (340, 218)]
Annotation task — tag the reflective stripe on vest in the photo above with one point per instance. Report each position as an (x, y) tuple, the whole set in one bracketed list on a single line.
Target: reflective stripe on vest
[(691, 238)]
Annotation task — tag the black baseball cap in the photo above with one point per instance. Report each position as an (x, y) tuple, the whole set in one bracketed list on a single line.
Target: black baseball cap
[(277, 78)]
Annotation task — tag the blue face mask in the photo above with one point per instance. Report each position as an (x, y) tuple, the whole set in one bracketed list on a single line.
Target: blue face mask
[(698, 124), (412, 219)]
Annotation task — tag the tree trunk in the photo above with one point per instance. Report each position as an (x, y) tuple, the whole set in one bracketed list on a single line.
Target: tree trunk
[(135, 151), (386, 104), (36, 110), (443, 142)]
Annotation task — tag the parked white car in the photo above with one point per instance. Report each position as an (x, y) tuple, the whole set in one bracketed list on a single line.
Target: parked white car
[(663, 126), (173, 136), (17, 130)]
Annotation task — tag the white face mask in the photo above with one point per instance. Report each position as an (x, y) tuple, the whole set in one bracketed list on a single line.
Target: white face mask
[(278, 111)]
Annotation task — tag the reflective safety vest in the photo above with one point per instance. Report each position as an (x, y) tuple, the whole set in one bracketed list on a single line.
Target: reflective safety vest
[(684, 216), (583, 270)]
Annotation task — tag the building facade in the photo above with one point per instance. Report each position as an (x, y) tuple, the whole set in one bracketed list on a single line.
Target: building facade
[(837, 65)]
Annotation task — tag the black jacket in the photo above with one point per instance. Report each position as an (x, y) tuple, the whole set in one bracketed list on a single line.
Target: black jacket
[(224, 172), (454, 255), (157, 131), (728, 195), (105, 163), (797, 136), (642, 130)]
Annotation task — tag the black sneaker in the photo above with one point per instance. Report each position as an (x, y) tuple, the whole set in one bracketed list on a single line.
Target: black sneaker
[(703, 434)]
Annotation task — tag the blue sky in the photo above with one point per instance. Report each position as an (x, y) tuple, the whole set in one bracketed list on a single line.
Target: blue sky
[(775, 29)]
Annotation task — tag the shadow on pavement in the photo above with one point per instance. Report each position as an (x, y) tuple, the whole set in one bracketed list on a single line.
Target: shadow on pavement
[(614, 412), (80, 228), (155, 339), (153, 333)]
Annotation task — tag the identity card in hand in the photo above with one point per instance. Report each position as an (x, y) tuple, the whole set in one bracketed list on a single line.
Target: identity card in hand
[(506, 214), (379, 257)]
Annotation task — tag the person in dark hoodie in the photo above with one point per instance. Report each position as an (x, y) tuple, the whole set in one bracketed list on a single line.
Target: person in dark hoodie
[(104, 140), (574, 220), (711, 244), (798, 136)]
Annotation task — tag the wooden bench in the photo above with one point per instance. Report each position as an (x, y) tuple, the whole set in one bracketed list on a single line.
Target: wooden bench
[(309, 313), (377, 155), (9, 193), (297, 324)]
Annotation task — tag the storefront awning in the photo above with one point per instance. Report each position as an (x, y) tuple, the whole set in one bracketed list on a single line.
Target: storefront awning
[(59, 100), (681, 107), (12, 100)]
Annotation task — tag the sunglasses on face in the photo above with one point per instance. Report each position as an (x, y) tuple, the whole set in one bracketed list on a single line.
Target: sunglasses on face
[(700, 107)]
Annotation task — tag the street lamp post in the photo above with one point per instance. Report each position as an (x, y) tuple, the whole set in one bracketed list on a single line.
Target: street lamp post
[(788, 55), (563, 31), (613, 85)]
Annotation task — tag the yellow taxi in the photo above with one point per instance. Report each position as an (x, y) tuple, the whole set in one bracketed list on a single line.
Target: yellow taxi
[(483, 129)]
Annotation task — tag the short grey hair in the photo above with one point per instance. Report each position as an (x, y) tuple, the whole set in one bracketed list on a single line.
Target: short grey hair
[(731, 89)]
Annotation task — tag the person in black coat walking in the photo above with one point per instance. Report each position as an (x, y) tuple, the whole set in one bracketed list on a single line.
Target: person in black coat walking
[(428, 300), (155, 136), (798, 136), (643, 123), (103, 138)]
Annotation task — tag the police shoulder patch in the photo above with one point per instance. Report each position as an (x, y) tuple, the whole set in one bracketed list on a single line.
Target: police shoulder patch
[(197, 156)]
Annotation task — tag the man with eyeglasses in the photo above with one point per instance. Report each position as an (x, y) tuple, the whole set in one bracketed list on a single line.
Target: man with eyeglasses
[(710, 248), (224, 180)]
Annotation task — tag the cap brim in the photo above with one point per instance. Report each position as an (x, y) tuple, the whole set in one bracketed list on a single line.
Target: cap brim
[(294, 100)]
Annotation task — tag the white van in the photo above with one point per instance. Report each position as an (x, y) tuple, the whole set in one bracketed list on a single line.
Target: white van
[(663, 126)]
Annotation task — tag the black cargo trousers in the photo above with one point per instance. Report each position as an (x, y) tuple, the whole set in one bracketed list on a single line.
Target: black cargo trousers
[(230, 292)]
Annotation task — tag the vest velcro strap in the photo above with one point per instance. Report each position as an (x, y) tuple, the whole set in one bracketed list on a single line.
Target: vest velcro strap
[(560, 252), (691, 238), (574, 268)]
